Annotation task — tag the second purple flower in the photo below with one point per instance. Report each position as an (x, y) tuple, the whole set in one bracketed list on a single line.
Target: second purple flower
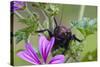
[(17, 5)]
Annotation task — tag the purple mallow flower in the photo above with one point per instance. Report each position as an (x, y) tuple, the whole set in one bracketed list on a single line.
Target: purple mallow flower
[(17, 5), (45, 46)]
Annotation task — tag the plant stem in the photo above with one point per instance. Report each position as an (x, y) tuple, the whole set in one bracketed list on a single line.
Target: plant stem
[(82, 9), (28, 10), (32, 15), (45, 15), (18, 15), (48, 17), (50, 24), (67, 59)]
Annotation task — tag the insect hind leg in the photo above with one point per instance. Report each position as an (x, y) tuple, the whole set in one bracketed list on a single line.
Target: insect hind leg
[(75, 38)]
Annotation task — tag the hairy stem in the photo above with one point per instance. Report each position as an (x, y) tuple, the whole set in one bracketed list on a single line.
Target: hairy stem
[(18, 15), (47, 17), (50, 24)]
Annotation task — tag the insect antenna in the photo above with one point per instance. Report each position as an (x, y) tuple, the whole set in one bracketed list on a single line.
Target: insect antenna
[(55, 21), (61, 15)]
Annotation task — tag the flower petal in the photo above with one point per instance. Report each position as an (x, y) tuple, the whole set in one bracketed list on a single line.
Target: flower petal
[(17, 5), (57, 59), (32, 52), (50, 45), (29, 54), (23, 55), (43, 42)]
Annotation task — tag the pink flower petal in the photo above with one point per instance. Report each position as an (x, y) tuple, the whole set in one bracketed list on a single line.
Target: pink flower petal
[(32, 52), (43, 42), (50, 45), (23, 55), (57, 59)]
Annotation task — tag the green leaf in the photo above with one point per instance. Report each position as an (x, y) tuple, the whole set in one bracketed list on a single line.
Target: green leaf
[(52, 10), (19, 37), (74, 51), (49, 9), (86, 26), (24, 33)]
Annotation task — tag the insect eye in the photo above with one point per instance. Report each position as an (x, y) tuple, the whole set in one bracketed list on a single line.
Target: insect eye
[(65, 34)]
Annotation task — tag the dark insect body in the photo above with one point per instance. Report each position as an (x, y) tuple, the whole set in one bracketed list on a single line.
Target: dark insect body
[(63, 36)]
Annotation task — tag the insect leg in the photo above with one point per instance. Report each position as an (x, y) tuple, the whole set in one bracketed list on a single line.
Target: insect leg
[(41, 31), (75, 38), (55, 22)]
